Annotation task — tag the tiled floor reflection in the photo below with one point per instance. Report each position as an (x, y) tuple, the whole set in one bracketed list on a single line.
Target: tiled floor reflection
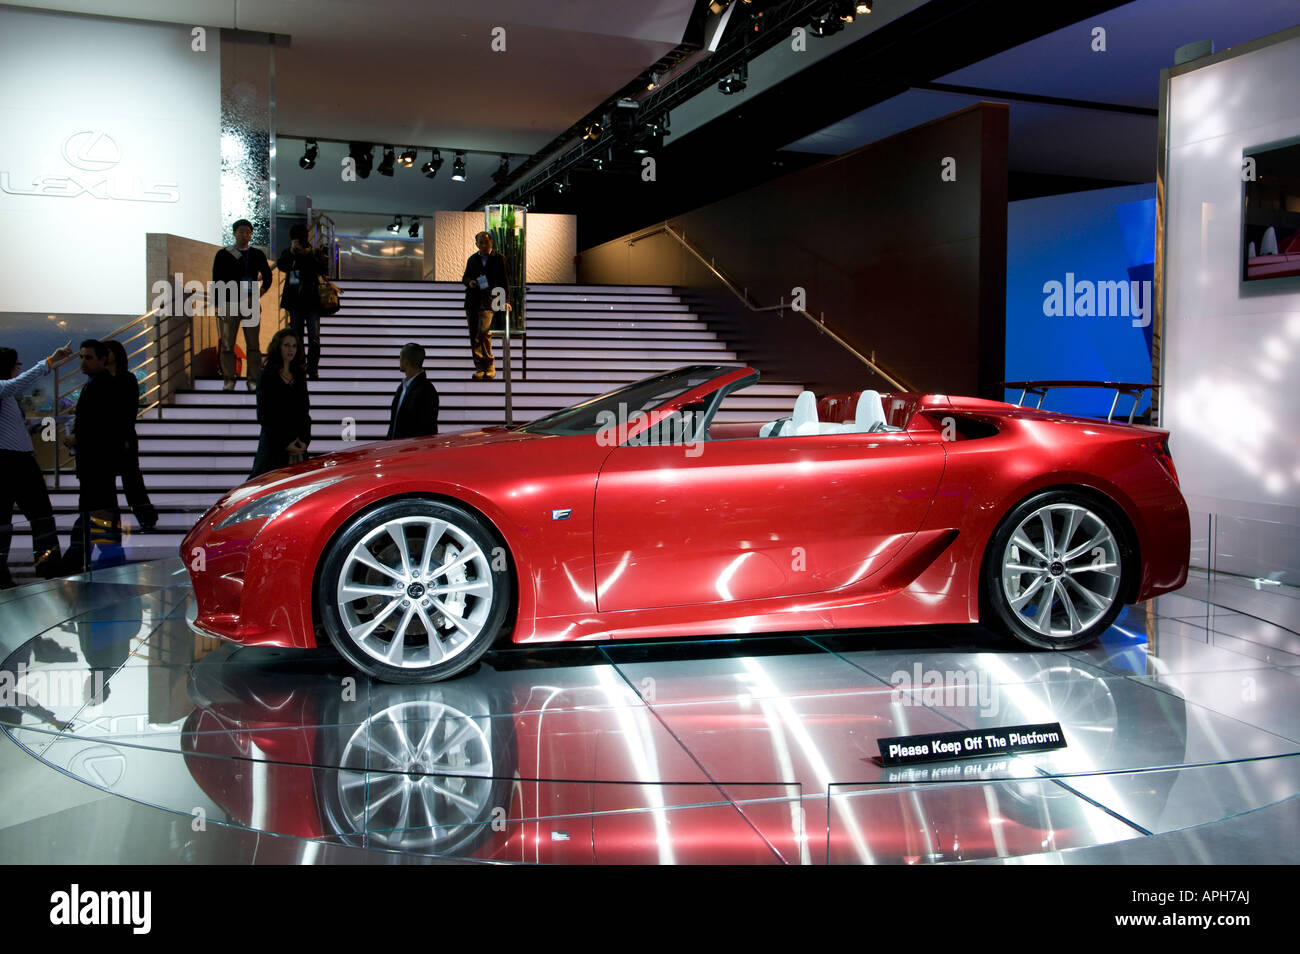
[(746, 751)]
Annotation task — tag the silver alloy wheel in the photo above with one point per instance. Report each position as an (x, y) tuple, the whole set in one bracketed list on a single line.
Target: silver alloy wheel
[(416, 776), (1061, 570), (414, 592)]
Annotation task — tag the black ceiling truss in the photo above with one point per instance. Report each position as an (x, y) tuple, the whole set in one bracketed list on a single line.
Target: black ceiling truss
[(740, 44)]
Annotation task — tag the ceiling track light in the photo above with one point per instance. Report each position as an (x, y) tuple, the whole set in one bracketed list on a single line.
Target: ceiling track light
[(407, 158), (458, 169), (396, 226), (653, 81), (736, 82), (502, 172), (592, 131), (431, 167), (863, 7), (308, 160), (562, 185), (386, 164), (414, 230), (362, 155)]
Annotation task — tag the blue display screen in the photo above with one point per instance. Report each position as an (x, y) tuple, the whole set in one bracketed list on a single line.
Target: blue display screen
[(1079, 293)]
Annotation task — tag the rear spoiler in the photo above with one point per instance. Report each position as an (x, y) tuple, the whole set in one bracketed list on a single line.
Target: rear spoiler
[(1126, 388)]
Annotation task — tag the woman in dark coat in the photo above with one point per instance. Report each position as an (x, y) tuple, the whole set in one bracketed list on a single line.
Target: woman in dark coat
[(283, 408), (127, 387)]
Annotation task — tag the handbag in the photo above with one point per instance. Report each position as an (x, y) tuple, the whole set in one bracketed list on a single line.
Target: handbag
[(329, 296)]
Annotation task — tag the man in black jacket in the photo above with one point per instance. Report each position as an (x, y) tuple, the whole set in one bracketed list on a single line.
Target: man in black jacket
[(486, 290), (98, 440), (415, 405), (239, 268)]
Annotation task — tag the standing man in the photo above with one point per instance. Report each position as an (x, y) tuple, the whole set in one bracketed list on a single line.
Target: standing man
[(415, 405), (301, 295), (486, 284), (21, 480), (99, 441), (241, 267)]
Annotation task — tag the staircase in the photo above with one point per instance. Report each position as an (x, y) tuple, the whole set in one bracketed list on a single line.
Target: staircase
[(583, 340)]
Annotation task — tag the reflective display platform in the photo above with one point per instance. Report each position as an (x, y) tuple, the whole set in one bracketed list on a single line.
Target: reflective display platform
[(753, 751)]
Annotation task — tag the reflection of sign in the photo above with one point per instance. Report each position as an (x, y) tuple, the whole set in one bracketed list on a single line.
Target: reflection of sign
[(101, 765), (93, 151)]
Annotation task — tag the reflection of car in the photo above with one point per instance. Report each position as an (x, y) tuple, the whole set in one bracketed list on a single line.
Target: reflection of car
[(642, 513), (557, 767)]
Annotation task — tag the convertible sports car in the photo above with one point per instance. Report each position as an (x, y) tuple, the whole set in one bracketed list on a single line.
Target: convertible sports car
[(640, 514)]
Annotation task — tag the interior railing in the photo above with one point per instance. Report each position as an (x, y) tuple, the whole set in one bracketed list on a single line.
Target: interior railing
[(162, 351), (743, 296)]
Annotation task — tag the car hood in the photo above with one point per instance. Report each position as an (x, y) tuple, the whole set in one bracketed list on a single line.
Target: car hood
[(364, 458)]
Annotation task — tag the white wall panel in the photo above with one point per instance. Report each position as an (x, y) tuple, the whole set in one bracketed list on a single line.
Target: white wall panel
[(108, 130)]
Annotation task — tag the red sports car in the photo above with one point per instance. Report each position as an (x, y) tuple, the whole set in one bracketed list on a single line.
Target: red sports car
[(640, 514)]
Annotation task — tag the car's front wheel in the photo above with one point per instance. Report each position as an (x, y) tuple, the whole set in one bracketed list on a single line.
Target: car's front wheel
[(414, 590), (1055, 571)]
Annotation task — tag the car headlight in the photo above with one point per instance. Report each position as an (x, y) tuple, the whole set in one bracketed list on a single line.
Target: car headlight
[(274, 504)]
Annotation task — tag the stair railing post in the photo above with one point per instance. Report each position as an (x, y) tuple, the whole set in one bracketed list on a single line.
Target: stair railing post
[(510, 410), (56, 428)]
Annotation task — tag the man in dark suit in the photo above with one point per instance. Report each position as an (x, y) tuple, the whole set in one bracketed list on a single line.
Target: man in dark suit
[(99, 442), (415, 405), (486, 285)]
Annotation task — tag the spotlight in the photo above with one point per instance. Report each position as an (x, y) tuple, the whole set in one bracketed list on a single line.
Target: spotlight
[(308, 160), (458, 169), (386, 164), (592, 132), (826, 23), (396, 226), (735, 82), (562, 185), (407, 159), (864, 6), (597, 164), (363, 157), (653, 82), (414, 230), (503, 170), (431, 167)]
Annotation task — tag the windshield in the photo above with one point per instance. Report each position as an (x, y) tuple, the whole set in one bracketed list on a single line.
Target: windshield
[(619, 405)]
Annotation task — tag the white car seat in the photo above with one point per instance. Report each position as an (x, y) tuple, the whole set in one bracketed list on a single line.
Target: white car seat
[(870, 415), (804, 420)]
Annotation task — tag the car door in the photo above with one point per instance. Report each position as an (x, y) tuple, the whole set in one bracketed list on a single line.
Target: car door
[(755, 518)]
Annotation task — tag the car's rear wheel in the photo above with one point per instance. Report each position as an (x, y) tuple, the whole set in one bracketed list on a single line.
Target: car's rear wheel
[(414, 590), (1056, 570)]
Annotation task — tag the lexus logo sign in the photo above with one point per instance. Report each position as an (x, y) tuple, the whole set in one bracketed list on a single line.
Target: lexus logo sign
[(95, 153), (91, 150)]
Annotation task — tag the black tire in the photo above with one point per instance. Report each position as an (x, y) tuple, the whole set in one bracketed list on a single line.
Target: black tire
[(364, 630), (1084, 593)]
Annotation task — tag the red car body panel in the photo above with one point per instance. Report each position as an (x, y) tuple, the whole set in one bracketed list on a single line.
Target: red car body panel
[(747, 535)]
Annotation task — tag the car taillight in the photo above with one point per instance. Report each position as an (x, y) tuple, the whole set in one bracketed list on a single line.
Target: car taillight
[(1161, 451)]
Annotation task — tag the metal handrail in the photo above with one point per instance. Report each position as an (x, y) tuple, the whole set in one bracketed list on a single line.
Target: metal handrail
[(743, 295)]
